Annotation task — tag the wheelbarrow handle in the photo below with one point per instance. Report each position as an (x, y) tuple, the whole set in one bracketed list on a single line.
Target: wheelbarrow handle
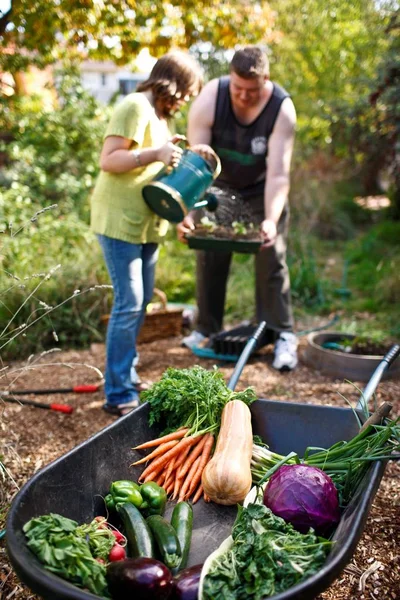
[(372, 384), (247, 350)]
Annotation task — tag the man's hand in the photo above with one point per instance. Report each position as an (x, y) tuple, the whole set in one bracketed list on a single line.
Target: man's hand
[(268, 232), (204, 150), (186, 226)]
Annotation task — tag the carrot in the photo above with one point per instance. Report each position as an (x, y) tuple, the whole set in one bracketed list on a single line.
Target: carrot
[(160, 479), (150, 477), (188, 480), (182, 457), (169, 482), (198, 494), (161, 461), (170, 469), (196, 451), (179, 462), (163, 448), (204, 458), (179, 433), (169, 488)]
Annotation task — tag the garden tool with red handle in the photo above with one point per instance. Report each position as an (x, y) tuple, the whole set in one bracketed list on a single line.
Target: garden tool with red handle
[(64, 408), (77, 389)]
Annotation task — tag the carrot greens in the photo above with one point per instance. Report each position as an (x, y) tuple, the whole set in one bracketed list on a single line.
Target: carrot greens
[(193, 398)]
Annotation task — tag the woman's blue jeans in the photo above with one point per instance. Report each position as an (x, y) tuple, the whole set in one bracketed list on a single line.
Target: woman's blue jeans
[(132, 269)]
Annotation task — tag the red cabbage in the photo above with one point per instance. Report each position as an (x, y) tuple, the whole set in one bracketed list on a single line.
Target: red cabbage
[(303, 496)]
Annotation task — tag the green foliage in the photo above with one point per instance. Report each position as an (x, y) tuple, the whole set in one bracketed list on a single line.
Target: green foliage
[(42, 30), (71, 551), (267, 557), (193, 398), (53, 157), (374, 260)]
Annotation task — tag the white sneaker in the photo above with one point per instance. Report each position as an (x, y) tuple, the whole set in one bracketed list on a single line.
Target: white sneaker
[(285, 352), (192, 340)]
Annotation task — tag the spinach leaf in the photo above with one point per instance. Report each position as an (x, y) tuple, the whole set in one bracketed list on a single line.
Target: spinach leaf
[(65, 549), (268, 556)]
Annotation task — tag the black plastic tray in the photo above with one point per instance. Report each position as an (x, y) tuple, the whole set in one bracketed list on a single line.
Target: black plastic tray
[(222, 245), (233, 341), (73, 486)]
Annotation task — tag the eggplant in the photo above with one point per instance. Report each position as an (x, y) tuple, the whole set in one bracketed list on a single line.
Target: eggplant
[(139, 579), (186, 584)]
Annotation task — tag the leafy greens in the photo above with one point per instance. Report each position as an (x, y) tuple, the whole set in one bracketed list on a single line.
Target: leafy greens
[(70, 551), (268, 556), (193, 397)]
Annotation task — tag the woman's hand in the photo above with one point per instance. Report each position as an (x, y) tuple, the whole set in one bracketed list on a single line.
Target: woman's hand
[(170, 154), (186, 226)]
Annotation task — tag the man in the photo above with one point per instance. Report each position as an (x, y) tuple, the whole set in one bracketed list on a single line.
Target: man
[(249, 121)]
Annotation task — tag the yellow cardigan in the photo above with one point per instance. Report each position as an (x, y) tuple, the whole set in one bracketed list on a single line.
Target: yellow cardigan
[(117, 206)]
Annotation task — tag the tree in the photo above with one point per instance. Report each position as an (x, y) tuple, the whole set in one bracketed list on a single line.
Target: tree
[(328, 55), (37, 31)]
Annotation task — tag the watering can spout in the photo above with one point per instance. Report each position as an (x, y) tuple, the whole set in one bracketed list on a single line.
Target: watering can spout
[(174, 193), (210, 202)]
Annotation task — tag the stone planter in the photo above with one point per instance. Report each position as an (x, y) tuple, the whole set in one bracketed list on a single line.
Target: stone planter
[(343, 365)]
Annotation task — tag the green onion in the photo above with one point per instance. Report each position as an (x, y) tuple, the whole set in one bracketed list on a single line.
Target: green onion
[(345, 462)]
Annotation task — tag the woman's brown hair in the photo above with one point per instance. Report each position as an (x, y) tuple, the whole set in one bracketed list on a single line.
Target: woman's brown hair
[(174, 76)]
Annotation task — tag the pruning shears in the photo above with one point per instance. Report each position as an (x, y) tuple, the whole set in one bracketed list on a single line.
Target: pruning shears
[(77, 389), (9, 396)]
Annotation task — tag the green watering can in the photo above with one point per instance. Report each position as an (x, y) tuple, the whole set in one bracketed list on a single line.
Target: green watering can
[(175, 192)]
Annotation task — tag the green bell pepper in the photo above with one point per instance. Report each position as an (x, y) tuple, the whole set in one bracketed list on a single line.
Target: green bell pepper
[(154, 499), (123, 491)]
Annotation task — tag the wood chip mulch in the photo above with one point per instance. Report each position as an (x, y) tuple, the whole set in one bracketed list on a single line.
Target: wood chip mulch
[(30, 438)]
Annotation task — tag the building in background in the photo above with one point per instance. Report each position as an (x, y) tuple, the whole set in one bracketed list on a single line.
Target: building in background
[(106, 81)]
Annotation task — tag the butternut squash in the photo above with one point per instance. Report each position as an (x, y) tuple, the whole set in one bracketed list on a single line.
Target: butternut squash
[(227, 477)]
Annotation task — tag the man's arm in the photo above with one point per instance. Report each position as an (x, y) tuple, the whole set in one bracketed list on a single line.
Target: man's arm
[(201, 114), (277, 184)]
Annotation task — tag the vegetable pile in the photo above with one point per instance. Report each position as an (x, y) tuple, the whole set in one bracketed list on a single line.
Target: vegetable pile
[(267, 557), (346, 463), (190, 402)]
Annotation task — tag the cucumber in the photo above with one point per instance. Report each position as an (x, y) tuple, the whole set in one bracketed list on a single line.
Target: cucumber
[(182, 522), (166, 540), (138, 534)]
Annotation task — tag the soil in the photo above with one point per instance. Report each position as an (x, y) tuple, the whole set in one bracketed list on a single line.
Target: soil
[(226, 233), (32, 437), (369, 348)]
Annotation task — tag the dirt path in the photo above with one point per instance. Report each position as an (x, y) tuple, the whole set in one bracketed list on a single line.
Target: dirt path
[(32, 437)]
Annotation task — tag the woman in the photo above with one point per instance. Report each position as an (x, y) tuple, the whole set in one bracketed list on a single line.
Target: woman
[(138, 143)]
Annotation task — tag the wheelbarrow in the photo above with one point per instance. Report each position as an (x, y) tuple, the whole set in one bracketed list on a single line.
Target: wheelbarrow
[(75, 484)]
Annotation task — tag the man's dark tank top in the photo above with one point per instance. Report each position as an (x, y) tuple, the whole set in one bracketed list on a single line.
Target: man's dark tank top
[(243, 148)]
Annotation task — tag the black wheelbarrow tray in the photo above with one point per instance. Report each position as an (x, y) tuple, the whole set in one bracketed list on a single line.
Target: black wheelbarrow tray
[(74, 484)]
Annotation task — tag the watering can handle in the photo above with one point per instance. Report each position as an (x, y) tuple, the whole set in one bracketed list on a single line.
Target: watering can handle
[(217, 169)]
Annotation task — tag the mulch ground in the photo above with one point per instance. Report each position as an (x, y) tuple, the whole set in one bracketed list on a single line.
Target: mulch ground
[(32, 437)]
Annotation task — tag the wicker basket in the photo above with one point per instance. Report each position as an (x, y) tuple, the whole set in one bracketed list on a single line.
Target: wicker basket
[(161, 321)]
